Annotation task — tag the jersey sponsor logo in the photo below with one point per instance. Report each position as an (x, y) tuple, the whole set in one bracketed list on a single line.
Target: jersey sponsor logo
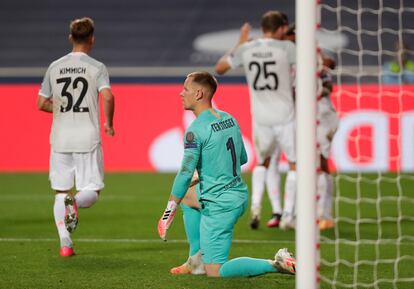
[(225, 124), (72, 70), (233, 183)]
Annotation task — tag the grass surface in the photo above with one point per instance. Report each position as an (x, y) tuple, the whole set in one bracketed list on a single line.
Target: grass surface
[(117, 244)]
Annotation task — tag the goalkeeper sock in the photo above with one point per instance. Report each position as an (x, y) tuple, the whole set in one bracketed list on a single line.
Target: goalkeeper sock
[(59, 214), (290, 194), (246, 267), (192, 217), (273, 185), (258, 185), (85, 199)]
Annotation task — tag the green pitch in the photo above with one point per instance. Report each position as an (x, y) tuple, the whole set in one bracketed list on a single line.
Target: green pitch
[(117, 245)]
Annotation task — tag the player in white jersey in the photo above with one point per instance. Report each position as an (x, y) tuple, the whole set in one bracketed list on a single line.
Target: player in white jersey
[(328, 122), (70, 91), (327, 125), (269, 63)]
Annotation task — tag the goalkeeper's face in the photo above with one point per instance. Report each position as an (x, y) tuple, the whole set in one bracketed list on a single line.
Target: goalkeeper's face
[(189, 94)]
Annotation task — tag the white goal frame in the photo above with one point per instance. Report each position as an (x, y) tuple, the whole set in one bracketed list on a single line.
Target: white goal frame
[(307, 251)]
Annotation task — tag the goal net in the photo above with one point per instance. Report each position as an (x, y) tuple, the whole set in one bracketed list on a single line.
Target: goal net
[(372, 244)]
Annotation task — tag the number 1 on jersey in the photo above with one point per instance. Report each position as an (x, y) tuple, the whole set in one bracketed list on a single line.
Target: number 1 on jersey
[(230, 147)]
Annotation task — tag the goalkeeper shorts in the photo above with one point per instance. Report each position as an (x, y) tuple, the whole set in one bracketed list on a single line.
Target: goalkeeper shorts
[(216, 235)]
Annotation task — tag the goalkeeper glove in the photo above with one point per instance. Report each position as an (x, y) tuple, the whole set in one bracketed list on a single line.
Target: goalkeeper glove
[(166, 219)]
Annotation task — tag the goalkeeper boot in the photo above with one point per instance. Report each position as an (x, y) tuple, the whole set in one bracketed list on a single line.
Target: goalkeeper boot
[(194, 265), (71, 213), (287, 222), (274, 221), (284, 262), (255, 218), (66, 251), (325, 224)]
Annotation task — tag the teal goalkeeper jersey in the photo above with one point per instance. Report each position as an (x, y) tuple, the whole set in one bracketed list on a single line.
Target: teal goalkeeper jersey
[(214, 146)]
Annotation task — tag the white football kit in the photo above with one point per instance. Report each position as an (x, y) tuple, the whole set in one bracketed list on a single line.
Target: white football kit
[(74, 82), (268, 67), (328, 124), (327, 118)]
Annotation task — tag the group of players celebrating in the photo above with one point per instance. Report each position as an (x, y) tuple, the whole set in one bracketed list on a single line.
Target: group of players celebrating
[(209, 187)]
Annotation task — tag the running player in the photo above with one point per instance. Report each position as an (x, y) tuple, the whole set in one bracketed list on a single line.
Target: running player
[(272, 180), (213, 145), (328, 124), (70, 91), (268, 63)]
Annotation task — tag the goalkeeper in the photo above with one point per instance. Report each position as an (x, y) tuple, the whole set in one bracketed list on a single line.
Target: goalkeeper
[(213, 145)]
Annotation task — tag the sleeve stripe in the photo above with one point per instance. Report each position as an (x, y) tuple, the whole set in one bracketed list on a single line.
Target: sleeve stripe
[(44, 95), (103, 87)]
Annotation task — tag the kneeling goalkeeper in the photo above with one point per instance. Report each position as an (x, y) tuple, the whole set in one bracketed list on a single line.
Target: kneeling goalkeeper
[(213, 145)]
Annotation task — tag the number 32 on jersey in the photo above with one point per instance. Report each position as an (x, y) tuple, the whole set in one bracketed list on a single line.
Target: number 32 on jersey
[(67, 82)]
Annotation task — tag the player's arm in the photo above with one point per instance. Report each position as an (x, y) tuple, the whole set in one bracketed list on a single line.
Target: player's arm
[(194, 180), (223, 64), (243, 156), (104, 88), (44, 104), (328, 61), (108, 101), (44, 99), (192, 150)]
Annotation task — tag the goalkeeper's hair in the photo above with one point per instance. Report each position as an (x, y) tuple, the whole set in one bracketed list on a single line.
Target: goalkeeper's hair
[(205, 79), (81, 30), (273, 20)]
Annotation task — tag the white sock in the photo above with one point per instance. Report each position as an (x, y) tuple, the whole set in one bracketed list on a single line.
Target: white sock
[(325, 190), (85, 199), (273, 187), (196, 264), (290, 194), (258, 186), (322, 186), (59, 213)]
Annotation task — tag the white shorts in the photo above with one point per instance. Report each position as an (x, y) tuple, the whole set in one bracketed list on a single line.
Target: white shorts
[(84, 169), (268, 138), (328, 124)]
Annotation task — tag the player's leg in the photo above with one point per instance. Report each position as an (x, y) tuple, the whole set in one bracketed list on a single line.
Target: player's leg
[(283, 262), (286, 137), (61, 177), (216, 234), (216, 237), (325, 191), (89, 177), (264, 146), (325, 132), (273, 189), (191, 217)]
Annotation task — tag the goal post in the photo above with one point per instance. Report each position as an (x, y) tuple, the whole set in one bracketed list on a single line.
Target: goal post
[(372, 244), (306, 226)]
